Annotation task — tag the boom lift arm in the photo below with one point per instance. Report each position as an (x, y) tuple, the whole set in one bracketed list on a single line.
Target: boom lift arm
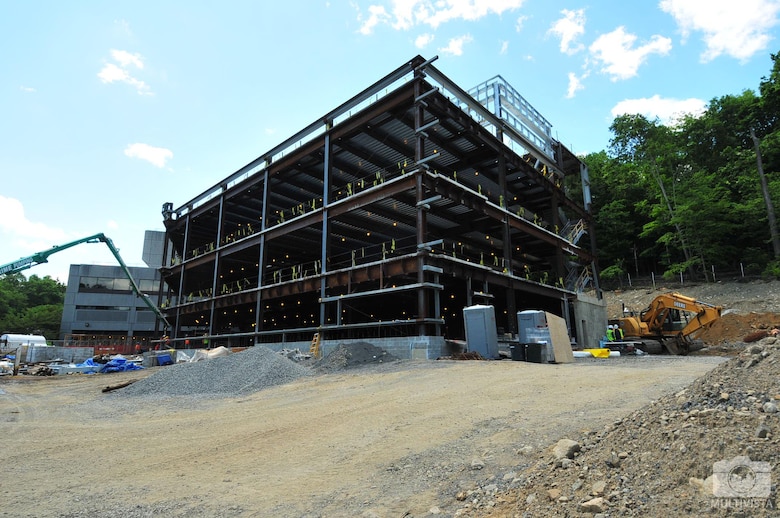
[(43, 257)]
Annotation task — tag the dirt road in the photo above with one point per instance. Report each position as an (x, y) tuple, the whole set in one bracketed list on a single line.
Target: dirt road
[(404, 438)]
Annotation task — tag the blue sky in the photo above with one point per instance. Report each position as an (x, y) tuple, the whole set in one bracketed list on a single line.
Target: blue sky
[(110, 109)]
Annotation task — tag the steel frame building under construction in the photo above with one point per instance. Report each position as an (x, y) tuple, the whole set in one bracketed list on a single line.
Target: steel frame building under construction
[(383, 219)]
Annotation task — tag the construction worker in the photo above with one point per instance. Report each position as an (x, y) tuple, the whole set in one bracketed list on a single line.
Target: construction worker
[(619, 336), (610, 333)]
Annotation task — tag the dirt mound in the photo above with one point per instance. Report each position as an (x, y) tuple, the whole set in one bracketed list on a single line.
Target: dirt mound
[(735, 327), (352, 355)]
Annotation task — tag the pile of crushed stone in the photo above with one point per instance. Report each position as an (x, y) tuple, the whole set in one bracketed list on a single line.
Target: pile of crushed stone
[(661, 460), (240, 373), (351, 355)]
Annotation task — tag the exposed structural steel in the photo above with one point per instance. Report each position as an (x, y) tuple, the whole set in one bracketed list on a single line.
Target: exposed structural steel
[(386, 217), (43, 257)]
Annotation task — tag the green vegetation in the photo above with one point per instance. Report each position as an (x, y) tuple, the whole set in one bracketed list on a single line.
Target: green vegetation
[(688, 197), (31, 306)]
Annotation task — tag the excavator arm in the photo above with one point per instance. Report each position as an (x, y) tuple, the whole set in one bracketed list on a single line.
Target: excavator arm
[(43, 257)]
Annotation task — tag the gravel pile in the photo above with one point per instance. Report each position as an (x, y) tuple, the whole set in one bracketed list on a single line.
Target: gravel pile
[(351, 355), (249, 371)]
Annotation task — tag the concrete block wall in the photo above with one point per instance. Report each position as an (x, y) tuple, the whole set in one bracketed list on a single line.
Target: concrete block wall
[(49, 353), (591, 315)]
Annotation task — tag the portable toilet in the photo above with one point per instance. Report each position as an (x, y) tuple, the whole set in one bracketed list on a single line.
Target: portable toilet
[(532, 327), (534, 335), (481, 333)]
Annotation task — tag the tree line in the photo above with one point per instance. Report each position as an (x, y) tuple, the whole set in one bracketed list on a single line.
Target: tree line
[(695, 194), (31, 306)]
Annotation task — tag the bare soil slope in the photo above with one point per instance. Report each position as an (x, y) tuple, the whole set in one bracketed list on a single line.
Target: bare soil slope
[(660, 460), (747, 307)]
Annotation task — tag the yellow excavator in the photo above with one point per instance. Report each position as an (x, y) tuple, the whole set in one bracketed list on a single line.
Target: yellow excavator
[(671, 324)]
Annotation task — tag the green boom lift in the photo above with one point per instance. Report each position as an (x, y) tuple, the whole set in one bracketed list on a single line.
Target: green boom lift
[(43, 257)]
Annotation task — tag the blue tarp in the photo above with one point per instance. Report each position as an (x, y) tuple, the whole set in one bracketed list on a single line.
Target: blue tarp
[(116, 364)]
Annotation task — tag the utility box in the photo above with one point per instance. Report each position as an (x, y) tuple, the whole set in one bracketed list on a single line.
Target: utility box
[(481, 333), (536, 353), (517, 352)]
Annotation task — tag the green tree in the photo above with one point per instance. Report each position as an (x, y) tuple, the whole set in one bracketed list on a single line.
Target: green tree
[(31, 305), (652, 150), (620, 206), (41, 320)]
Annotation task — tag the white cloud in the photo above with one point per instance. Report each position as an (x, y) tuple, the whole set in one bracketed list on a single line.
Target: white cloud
[(156, 156), (568, 29), (405, 14), (520, 23), (575, 84), (504, 47), (619, 59), (737, 29), (23, 237), (125, 58), (455, 45), (666, 110), (15, 224), (377, 15), (423, 40), (112, 73), (113, 225), (27, 89)]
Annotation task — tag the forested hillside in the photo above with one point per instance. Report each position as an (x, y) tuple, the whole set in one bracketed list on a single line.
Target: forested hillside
[(688, 197)]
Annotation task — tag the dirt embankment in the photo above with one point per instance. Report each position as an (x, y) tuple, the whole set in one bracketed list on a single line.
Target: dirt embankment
[(748, 307)]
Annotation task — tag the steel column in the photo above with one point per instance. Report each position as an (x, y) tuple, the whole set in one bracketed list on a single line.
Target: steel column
[(259, 310), (326, 178), (422, 220), (216, 262)]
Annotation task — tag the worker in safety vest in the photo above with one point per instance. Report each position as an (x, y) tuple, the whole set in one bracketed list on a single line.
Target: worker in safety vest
[(610, 333), (618, 334)]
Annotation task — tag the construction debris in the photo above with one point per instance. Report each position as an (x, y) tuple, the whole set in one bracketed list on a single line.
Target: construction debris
[(352, 355), (109, 388), (295, 355)]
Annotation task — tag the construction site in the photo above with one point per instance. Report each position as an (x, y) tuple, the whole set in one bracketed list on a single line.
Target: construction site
[(314, 353), (383, 220)]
